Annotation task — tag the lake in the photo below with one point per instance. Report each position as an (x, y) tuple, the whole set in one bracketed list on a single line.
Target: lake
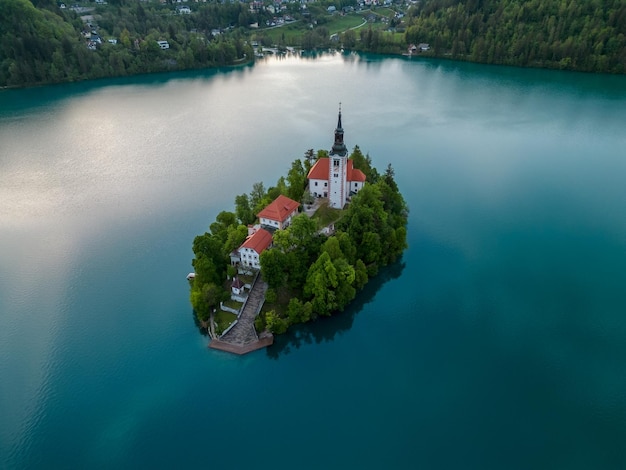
[(497, 341)]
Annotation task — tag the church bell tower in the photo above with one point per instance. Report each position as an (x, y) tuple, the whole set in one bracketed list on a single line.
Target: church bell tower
[(338, 157)]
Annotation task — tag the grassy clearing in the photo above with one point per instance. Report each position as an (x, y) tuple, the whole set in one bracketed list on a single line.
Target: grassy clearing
[(223, 320), (325, 215), (233, 304), (246, 279), (339, 24), (386, 12), (290, 34)]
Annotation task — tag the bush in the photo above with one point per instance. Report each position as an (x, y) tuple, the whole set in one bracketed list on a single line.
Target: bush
[(271, 296)]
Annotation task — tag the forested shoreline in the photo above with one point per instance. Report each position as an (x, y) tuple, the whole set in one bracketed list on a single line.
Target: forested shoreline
[(40, 43), (45, 41), (587, 36)]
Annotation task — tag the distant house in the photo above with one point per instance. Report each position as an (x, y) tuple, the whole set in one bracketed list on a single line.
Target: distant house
[(163, 44), (250, 251), (331, 9), (279, 213), (183, 10)]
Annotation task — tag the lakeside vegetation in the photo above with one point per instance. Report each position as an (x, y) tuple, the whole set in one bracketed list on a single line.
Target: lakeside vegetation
[(45, 41), (586, 36), (309, 274), (42, 43)]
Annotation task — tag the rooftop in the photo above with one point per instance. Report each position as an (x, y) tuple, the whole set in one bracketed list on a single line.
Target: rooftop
[(279, 209), (258, 241), (321, 169)]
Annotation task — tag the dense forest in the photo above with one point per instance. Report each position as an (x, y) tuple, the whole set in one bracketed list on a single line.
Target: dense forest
[(587, 35), (308, 274), (45, 41), (42, 43)]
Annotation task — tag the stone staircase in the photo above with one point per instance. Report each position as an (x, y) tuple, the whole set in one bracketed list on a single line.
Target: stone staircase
[(243, 332)]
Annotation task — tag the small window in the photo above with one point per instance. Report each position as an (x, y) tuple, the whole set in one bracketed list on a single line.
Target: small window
[(316, 183), (325, 184), (336, 175), (336, 162)]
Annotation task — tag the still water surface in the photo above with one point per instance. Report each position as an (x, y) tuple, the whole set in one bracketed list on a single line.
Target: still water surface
[(498, 341)]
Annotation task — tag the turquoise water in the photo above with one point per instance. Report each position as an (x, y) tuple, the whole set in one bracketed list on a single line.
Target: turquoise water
[(498, 341)]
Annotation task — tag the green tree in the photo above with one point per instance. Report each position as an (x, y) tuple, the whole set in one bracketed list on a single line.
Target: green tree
[(209, 262), (349, 39), (223, 221), (273, 267), (297, 180), (243, 210), (256, 197), (360, 275), (236, 235), (299, 312), (329, 284), (275, 323), (300, 235)]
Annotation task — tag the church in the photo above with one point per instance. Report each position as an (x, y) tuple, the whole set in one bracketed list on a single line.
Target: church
[(334, 177)]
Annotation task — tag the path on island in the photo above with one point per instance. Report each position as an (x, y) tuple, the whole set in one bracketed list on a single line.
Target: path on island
[(242, 337)]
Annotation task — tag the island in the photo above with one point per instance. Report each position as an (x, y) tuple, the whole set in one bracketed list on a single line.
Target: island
[(299, 250)]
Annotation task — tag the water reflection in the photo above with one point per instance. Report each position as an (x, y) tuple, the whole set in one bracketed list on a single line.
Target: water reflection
[(326, 329), (17, 101)]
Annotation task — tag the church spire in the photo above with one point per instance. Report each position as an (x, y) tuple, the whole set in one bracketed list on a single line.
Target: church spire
[(339, 148), (339, 120)]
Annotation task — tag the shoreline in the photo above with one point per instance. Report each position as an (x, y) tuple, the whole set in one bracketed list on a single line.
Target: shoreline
[(242, 349)]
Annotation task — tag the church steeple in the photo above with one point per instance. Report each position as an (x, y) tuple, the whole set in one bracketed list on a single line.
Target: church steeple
[(339, 148)]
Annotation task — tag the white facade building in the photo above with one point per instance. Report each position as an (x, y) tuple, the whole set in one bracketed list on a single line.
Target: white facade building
[(335, 177)]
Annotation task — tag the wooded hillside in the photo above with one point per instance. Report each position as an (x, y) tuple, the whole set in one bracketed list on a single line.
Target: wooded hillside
[(42, 43), (587, 35)]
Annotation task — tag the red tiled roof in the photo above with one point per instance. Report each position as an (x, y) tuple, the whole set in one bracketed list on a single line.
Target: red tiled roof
[(279, 209), (259, 241), (320, 170), (354, 174)]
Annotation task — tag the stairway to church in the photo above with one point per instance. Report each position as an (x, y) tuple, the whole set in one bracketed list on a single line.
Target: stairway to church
[(243, 332)]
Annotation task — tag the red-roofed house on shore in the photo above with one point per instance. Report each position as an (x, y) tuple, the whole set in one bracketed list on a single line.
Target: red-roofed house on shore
[(335, 177), (251, 249), (279, 213)]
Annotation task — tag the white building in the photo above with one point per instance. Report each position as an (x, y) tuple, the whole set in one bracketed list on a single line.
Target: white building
[(250, 251), (279, 213), (335, 177)]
